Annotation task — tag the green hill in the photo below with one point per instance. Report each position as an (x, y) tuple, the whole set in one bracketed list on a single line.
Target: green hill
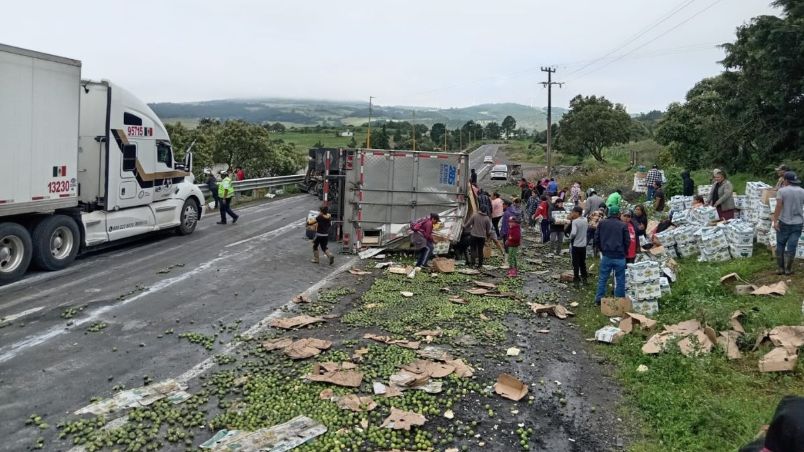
[(303, 112)]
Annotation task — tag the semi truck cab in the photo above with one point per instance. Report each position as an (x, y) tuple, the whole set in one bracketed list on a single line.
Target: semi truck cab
[(85, 163)]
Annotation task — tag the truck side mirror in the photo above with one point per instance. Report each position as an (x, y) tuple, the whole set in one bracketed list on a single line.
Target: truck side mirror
[(188, 161)]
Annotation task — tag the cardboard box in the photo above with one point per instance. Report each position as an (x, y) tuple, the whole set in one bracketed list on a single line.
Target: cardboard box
[(647, 291), (715, 256), (615, 307), (609, 334), (667, 237), (647, 307), (767, 194), (645, 271), (739, 252)]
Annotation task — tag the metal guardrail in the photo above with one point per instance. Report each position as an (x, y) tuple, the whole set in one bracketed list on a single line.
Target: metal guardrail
[(254, 184)]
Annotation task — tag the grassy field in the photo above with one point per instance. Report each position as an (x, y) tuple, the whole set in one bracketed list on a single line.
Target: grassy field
[(706, 403)]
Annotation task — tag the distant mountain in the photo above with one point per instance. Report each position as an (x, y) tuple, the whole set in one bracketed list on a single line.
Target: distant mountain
[(301, 112)]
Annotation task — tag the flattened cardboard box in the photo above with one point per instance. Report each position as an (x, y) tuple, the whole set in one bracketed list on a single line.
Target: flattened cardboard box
[(779, 359), (609, 334)]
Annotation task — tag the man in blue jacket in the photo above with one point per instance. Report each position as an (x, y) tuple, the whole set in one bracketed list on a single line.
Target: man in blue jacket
[(612, 240)]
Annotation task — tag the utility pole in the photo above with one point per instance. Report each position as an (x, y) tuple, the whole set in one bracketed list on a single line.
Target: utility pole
[(368, 136), (549, 84), (414, 130)]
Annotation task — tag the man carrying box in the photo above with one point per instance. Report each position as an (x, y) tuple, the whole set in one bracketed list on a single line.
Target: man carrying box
[(787, 220), (612, 239)]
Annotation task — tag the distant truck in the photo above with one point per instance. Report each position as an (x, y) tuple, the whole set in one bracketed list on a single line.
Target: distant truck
[(84, 163)]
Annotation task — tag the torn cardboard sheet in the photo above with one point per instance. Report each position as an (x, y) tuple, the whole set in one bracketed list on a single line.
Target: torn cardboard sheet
[(358, 272), (790, 337), (277, 344), (400, 270), (381, 265), (306, 348), (510, 387), (371, 252), (390, 341), (696, 343), (780, 359), (387, 391), (457, 300), (477, 291), (403, 420), (734, 320), (462, 369), (728, 342), (355, 403), (732, 277), (555, 309), (301, 298), (295, 322), (341, 374), (779, 288), (469, 271), (137, 397), (657, 342), (279, 438), (436, 353), (406, 294), (429, 368), (633, 320)]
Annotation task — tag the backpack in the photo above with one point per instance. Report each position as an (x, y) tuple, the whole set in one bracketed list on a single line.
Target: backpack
[(416, 226)]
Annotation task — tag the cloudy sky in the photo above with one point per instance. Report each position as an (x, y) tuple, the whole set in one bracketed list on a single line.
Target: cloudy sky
[(443, 53)]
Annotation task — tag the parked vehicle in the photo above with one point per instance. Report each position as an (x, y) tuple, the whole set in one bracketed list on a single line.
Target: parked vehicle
[(84, 163), (499, 172)]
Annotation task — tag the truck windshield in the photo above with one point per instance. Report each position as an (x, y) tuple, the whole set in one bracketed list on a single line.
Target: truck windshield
[(164, 153)]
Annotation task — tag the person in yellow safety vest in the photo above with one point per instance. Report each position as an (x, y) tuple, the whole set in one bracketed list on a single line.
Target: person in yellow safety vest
[(226, 193)]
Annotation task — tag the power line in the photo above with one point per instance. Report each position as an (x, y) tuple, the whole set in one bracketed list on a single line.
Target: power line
[(650, 41), (638, 35)]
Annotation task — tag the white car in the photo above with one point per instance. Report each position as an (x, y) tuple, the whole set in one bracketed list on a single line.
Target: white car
[(488, 159), (499, 172)]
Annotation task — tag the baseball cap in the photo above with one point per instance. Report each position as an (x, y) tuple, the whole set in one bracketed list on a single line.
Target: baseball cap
[(791, 177), (782, 168)]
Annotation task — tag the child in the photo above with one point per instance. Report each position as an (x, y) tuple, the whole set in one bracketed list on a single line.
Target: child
[(514, 239)]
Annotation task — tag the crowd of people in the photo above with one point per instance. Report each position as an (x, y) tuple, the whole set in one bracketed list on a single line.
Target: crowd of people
[(606, 228)]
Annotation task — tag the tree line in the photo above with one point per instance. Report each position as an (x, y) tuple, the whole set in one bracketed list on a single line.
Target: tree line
[(237, 143), (749, 117)]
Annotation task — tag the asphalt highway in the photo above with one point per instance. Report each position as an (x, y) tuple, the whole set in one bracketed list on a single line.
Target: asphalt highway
[(72, 335)]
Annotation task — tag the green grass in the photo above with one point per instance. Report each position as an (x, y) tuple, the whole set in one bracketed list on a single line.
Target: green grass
[(706, 403)]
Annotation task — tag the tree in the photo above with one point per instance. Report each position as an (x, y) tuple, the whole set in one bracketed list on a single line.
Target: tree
[(379, 140), (277, 127), (592, 124), (493, 130), (508, 125), (397, 135), (437, 133), (352, 143), (751, 116)]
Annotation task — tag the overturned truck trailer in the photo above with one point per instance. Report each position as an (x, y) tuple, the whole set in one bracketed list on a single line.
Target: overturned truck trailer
[(386, 190)]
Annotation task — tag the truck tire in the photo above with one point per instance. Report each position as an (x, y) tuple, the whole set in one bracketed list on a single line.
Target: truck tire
[(15, 252), (56, 241), (188, 219)]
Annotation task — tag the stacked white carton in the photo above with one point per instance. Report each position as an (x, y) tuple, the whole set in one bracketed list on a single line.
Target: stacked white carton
[(686, 240), (642, 286), (740, 235), (713, 244)]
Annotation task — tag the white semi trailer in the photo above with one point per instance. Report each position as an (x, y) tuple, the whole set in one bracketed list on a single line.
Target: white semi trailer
[(82, 163)]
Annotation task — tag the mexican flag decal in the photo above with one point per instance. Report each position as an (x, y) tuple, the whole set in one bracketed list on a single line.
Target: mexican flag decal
[(60, 171)]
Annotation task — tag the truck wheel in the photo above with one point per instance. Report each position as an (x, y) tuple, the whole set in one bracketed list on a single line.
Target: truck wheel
[(15, 252), (56, 242), (189, 217)]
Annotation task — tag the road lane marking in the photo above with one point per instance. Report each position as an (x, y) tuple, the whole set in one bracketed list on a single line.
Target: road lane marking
[(12, 317), (11, 351)]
